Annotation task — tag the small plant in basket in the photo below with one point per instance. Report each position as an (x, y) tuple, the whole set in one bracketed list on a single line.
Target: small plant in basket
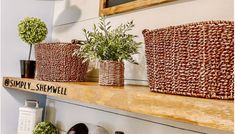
[(31, 30), (110, 47)]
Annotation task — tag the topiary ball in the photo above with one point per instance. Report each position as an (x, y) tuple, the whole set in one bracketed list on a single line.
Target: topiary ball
[(32, 30), (45, 128)]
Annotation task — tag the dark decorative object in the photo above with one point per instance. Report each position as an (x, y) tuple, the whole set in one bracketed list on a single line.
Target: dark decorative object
[(27, 68), (55, 62), (195, 59), (86, 128), (79, 128), (119, 132)]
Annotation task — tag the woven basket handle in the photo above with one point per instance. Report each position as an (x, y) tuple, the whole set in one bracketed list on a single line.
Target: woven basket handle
[(75, 41), (145, 31)]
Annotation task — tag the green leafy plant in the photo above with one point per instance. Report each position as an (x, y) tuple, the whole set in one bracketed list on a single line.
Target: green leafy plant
[(105, 43), (32, 30), (45, 128)]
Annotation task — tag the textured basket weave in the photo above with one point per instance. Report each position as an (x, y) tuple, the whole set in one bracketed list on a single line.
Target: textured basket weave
[(194, 59), (54, 62), (111, 73)]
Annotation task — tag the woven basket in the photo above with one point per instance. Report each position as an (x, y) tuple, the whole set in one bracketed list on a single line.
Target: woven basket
[(111, 73), (54, 62), (194, 59)]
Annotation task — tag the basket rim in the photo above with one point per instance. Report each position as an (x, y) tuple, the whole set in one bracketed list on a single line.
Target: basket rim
[(147, 31), (57, 43), (110, 61)]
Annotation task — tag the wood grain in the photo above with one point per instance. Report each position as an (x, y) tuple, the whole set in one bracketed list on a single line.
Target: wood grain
[(104, 11), (217, 114)]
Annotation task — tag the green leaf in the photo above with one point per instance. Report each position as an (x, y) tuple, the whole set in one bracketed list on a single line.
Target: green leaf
[(32, 30), (106, 44)]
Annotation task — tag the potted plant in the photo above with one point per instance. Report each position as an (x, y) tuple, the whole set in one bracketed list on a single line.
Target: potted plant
[(110, 47), (31, 30), (45, 127)]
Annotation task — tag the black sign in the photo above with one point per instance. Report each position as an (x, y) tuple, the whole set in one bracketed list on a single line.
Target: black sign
[(111, 3), (39, 87)]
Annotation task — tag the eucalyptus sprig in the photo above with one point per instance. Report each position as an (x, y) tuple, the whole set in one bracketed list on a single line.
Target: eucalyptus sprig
[(104, 43)]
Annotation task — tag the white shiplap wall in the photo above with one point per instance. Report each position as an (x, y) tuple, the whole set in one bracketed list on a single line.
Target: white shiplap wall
[(71, 16), (13, 49)]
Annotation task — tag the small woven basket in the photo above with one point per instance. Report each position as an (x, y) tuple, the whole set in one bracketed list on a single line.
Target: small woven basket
[(111, 73), (54, 62), (194, 59)]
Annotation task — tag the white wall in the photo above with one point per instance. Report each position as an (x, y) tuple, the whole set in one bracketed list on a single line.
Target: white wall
[(70, 19), (13, 50)]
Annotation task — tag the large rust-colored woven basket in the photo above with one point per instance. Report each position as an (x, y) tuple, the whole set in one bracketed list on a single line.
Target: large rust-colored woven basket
[(111, 73), (55, 62), (194, 59)]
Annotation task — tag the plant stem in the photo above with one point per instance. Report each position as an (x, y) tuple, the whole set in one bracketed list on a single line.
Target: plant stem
[(30, 51)]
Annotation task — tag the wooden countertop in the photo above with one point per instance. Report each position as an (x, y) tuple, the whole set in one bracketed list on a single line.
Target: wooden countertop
[(218, 114)]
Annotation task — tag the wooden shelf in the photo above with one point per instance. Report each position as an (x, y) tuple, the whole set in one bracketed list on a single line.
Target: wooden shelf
[(210, 113)]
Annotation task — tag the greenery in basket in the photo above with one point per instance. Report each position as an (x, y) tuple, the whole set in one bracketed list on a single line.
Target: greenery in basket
[(32, 30), (104, 43), (45, 128)]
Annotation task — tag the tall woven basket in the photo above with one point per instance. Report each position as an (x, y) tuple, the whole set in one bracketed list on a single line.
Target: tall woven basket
[(194, 59), (111, 73), (55, 62)]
